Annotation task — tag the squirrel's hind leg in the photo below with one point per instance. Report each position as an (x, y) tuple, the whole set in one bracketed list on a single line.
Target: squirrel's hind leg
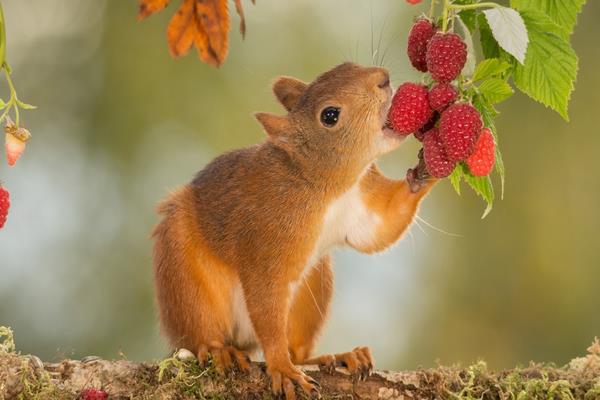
[(194, 289), (307, 316), (309, 310)]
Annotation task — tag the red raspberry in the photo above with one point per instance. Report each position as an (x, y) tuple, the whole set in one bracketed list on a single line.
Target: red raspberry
[(482, 160), (418, 38), (446, 56), (442, 95), (4, 205), (460, 126), (413, 2), (93, 394), (410, 108), (437, 163)]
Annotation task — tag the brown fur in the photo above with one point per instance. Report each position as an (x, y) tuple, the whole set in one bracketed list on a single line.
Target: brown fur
[(253, 217)]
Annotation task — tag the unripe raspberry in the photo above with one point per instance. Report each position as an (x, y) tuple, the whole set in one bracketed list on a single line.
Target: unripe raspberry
[(410, 108), (441, 95), (460, 126), (418, 38), (437, 162), (482, 160), (446, 56)]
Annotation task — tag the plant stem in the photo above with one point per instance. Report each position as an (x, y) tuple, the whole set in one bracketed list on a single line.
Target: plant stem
[(432, 9), (13, 100), (473, 6), (445, 15), (2, 37)]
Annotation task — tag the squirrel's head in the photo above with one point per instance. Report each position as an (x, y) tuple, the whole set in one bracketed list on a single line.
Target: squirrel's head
[(337, 120)]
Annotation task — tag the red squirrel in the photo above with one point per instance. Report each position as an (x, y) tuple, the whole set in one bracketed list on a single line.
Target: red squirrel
[(241, 255)]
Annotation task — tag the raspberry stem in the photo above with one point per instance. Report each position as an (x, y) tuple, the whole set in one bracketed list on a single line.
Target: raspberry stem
[(473, 6), (13, 102), (448, 6), (432, 9), (2, 37), (445, 10)]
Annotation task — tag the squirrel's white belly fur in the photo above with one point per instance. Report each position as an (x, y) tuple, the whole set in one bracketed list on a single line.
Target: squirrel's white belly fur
[(346, 221)]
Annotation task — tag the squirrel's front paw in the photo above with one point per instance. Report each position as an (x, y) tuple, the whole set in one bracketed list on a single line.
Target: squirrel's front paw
[(284, 381), (418, 177)]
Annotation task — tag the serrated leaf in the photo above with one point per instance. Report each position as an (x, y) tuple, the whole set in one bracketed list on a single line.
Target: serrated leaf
[(489, 68), (495, 90), (562, 12), (550, 68), (455, 178), (469, 67), (509, 30), (489, 46), (482, 186)]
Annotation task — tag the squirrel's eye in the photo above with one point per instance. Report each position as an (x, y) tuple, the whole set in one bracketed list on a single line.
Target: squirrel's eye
[(330, 116)]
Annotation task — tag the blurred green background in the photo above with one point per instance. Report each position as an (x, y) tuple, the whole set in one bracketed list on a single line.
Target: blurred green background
[(120, 123)]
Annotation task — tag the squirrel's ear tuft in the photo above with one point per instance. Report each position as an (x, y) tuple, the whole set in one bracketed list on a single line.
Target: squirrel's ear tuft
[(288, 91), (276, 126)]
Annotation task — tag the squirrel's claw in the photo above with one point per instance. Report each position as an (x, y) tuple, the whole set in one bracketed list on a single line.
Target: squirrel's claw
[(418, 177), (284, 384)]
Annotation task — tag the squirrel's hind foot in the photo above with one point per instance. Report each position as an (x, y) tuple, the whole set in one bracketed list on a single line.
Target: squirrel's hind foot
[(359, 362), (284, 384), (226, 359)]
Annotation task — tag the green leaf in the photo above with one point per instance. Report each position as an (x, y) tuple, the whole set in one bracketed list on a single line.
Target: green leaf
[(469, 17), (469, 67), (562, 12), (489, 114), (550, 68), (482, 186), (489, 46), (495, 90), (2, 104), (455, 178), (509, 30), (489, 68), (25, 106)]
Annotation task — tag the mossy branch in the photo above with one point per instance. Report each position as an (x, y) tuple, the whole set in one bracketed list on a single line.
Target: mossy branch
[(26, 377)]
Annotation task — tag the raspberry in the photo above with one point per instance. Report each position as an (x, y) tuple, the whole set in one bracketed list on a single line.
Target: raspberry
[(14, 144), (410, 108), (437, 163), (446, 56), (482, 160), (442, 95), (4, 205), (419, 134), (413, 2), (418, 38), (93, 394), (460, 126)]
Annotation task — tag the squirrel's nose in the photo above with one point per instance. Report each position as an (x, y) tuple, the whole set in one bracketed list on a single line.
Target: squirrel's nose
[(385, 83), (381, 78)]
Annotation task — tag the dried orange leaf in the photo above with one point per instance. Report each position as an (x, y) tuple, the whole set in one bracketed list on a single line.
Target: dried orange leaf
[(205, 52), (149, 7), (182, 29), (213, 17)]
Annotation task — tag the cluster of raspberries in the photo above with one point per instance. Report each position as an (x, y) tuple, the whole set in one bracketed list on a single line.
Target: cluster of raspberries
[(451, 131)]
